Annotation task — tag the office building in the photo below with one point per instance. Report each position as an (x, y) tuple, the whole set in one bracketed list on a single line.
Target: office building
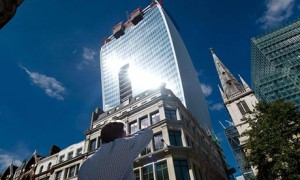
[(275, 68), (144, 52), (239, 101), (180, 147)]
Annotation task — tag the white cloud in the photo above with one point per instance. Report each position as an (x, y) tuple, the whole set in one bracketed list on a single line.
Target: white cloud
[(6, 159), (88, 57), (88, 54), (50, 85), (277, 11), (207, 89), (216, 107)]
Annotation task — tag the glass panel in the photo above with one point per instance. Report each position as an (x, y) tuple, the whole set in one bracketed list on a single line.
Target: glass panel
[(162, 171), (133, 127), (158, 144), (181, 170), (136, 174), (175, 138), (155, 117), (144, 122), (92, 144), (170, 114), (72, 171), (148, 173), (147, 150), (58, 175)]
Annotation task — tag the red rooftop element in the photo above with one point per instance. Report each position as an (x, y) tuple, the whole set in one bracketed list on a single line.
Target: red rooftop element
[(136, 16), (118, 30)]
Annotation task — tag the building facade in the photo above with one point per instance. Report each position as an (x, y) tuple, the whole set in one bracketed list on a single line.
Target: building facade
[(275, 68), (180, 148), (144, 52), (239, 101)]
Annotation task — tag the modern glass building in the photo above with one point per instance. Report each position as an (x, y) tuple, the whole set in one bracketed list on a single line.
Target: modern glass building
[(145, 52), (275, 69)]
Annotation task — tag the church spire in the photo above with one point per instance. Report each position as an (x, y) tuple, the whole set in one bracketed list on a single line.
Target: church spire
[(246, 87), (230, 85)]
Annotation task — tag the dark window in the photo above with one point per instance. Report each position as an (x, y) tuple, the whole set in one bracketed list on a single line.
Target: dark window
[(147, 150), (41, 169), (72, 171), (92, 144), (158, 144), (70, 155), (175, 138), (133, 127), (181, 169), (148, 173), (162, 171), (61, 158), (243, 107), (79, 151), (49, 166), (170, 114), (155, 117), (144, 122), (136, 174), (58, 175)]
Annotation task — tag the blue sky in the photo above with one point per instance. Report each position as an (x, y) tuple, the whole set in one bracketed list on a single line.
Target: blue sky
[(49, 63)]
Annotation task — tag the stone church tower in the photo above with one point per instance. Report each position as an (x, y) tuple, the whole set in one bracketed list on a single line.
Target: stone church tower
[(238, 98)]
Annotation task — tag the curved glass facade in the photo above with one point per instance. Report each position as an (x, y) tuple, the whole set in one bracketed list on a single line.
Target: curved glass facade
[(150, 50)]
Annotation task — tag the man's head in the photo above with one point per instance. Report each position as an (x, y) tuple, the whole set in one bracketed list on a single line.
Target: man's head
[(112, 131)]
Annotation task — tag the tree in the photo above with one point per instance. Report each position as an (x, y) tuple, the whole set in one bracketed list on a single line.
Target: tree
[(273, 146)]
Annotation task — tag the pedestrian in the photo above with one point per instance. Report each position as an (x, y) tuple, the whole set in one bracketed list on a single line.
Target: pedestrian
[(114, 159)]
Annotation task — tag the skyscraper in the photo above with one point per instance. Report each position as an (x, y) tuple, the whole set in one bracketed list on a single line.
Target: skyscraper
[(144, 52), (275, 69)]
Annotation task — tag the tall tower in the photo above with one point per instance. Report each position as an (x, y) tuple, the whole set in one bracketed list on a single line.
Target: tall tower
[(148, 50), (239, 100), (275, 64)]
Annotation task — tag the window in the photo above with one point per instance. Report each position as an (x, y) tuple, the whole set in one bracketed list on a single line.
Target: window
[(72, 171), (58, 175), (136, 174), (144, 122), (175, 138), (49, 166), (155, 117), (79, 151), (147, 150), (41, 169), (158, 144), (70, 155), (243, 107), (170, 114), (181, 169), (148, 172), (61, 158), (162, 171), (133, 127), (92, 144)]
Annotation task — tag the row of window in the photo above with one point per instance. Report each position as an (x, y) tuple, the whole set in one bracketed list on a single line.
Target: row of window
[(67, 173), (145, 121), (70, 155), (160, 170)]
